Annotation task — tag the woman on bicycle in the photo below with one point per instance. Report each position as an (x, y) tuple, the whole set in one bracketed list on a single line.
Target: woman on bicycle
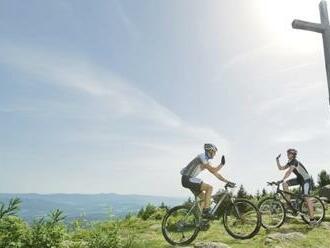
[(302, 178), (197, 186)]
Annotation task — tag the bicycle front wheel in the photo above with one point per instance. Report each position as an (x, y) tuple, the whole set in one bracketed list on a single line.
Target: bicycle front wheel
[(317, 208), (242, 219), (180, 225), (272, 213)]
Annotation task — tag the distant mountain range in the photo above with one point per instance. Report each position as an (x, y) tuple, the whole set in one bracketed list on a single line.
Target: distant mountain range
[(88, 206)]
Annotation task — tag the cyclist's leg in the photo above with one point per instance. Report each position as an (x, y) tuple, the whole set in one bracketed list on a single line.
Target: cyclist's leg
[(286, 184), (306, 190), (195, 185), (208, 192), (202, 197)]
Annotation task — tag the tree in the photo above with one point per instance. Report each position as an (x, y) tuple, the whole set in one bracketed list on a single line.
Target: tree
[(242, 192), (323, 179), (11, 209), (263, 192), (48, 231), (258, 195), (146, 212), (163, 206)]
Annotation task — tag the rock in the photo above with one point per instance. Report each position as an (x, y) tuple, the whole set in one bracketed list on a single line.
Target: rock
[(325, 225), (325, 192), (273, 237), (210, 245), (155, 227)]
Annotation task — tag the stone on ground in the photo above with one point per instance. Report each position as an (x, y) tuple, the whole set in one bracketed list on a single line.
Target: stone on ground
[(325, 225), (210, 245), (274, 237)]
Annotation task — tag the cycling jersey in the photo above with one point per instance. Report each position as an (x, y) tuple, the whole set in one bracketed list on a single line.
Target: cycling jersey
[(195, 166), (299, 170)]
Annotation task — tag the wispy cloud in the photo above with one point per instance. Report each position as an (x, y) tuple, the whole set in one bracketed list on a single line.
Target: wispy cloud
[(299, 135), (16, 109), (295, 97), (121, 97)]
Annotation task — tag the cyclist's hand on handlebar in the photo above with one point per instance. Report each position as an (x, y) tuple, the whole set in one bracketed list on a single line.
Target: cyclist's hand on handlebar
[(231, 184), (278, 157)]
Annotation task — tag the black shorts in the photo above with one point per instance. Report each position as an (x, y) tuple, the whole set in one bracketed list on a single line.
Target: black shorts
[(192, 183), (305, 185)]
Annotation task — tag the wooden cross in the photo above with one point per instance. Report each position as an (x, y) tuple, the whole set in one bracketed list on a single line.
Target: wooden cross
[(322, 28)]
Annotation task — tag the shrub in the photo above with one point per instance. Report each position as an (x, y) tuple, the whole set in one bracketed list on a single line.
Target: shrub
[(14, 232), (48, 232), (158, 214), (103, 236), (146, 212)]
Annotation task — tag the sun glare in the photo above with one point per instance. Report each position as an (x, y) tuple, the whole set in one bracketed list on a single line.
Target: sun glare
[(276, 17)]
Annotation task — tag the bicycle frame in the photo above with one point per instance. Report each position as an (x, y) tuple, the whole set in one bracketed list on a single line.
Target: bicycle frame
[(215, 208), (296, 196)]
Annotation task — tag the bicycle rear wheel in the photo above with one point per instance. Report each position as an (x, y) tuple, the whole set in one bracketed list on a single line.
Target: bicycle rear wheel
[(318, 208), (272, 213), (242, 219), (180, 225)]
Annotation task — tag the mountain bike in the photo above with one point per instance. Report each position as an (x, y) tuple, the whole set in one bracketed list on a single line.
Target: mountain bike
[(241, 218), (273, 211)]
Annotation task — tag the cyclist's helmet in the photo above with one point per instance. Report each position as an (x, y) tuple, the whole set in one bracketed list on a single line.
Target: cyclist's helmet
[(292, 151), (210, 148)]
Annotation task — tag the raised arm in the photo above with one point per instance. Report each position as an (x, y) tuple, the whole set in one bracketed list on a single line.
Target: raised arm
[(214, 171), (279, 166), (221, 178)]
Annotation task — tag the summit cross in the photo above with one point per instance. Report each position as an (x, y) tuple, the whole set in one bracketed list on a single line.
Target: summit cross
[(322, 28)]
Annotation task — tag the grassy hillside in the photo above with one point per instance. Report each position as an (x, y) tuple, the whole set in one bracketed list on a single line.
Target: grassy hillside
[(138, 232), (317, 237)]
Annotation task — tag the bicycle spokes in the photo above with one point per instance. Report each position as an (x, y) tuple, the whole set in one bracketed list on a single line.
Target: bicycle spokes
[(272, 213), (317, 208), (180, 225), (242, 219)]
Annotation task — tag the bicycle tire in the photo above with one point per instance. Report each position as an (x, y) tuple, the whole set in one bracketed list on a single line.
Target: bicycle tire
[(282, 207), (230, 232), (164, 232), (323, 210)]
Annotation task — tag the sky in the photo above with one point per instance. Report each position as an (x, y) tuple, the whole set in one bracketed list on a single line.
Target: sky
[(118, 96)]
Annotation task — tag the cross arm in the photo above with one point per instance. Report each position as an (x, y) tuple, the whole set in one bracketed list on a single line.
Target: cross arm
[(310, 26)]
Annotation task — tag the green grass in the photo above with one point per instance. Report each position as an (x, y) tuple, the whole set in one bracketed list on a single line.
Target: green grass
[(149, 235)]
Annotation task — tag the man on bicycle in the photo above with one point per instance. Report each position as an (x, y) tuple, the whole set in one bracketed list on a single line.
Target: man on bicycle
[(197, 186), (302, 178)]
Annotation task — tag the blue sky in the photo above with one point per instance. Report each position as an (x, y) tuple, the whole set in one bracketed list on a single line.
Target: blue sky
[(118, 96)]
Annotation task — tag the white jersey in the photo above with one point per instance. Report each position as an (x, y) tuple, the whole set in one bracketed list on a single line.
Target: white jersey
[(195, 166), (299, 170)]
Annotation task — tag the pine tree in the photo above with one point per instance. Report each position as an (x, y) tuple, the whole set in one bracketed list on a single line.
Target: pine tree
[(258, 195), (163, 206), (242, 192), (264, 192)]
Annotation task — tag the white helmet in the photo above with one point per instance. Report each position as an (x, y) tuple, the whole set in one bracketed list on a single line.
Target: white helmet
[(210, 147)]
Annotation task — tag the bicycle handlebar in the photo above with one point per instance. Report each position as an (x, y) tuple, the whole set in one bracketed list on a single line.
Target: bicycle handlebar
[(230, 185), (278, 183)]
